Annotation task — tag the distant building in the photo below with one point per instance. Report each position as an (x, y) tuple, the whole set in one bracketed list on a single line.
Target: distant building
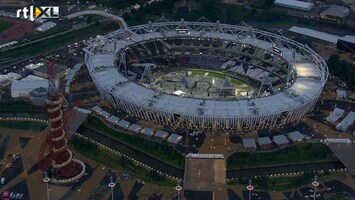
[(322, 36), (4, 80), (97, 109), (46, 26), (124, 124), (294, 4), (249, 144), (174, 139), (335, 115), (347, 43), (342, 93), (113, 120), (281, 140), (59, 70), (22, 88), (8, 44), (161, 135), (296, 136), (347, 122), (136, 128), (335, 13), (265, 143), (104, 114), (148, 132)]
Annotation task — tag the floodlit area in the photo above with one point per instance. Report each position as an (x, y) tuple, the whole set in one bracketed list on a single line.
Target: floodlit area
[(201, 84)]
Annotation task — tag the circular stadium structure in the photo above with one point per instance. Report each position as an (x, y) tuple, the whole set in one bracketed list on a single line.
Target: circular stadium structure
[(206, 76)]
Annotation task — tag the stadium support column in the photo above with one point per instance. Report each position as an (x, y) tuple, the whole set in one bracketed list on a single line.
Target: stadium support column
[(123, 63)]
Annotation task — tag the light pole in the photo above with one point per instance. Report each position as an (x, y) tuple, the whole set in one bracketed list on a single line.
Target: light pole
[(250, 188), (111, 185), (178, 188), (315, 184), (46, 180)]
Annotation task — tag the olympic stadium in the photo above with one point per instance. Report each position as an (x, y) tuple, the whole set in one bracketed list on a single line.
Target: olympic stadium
[(206, 76)]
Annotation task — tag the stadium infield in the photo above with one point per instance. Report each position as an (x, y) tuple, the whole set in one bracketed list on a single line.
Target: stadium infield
[(18, 29), (5, 25)]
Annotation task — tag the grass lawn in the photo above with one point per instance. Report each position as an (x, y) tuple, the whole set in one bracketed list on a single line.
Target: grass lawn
[(23, 125), (299, 153), (5, 25), (159, 150), (111, 160)]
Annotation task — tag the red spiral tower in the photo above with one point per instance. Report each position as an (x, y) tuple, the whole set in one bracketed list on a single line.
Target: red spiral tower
[(55, 155)]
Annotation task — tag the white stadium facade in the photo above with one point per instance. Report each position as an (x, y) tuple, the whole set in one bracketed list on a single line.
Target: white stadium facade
[(289, 76)]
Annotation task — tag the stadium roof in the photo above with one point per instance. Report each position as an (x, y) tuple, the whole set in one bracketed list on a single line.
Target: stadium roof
[(101, 57), (296, 136), (337, 11), (249, 143), (301, 5), (264, 140), (348, 38), (315, 34), (280, 139)]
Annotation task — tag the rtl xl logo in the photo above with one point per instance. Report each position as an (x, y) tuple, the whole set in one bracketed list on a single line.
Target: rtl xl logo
[(34, 12)]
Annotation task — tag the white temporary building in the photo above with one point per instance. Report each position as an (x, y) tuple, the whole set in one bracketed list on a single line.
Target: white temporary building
[(161, 134), (347, 122), (33, 66), (104, 114), (174, 139), (296, 136), (337, 140), (147, 132), (136, 128), (33, 78), (299, 5), (123, 124), (8, 44), (97, 109), (23, 87), (46, 26), (342, 93), (4, 79), (113, 119), (315, 34), (335, 115), (280, 140), (14, 76)]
